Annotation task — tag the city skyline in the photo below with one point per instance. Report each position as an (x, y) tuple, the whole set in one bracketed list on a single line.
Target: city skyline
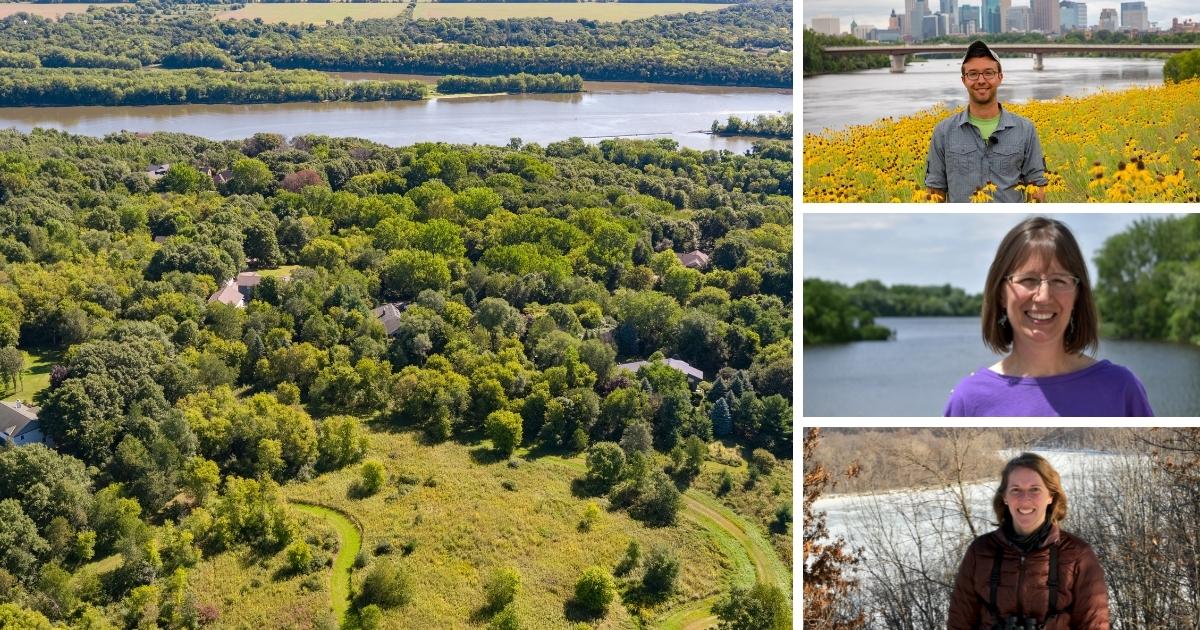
[(877, 12)]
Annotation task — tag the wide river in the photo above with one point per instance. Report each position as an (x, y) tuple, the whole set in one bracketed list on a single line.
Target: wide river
[(913, 374), (604, 110), (835, 101)]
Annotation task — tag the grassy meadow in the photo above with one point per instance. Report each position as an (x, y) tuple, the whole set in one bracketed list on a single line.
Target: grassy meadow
[(34, 378), (452, 513), (318, 13), (1136, 145)]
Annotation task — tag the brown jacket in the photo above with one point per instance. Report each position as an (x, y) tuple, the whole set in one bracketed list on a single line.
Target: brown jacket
[(1023, 589)]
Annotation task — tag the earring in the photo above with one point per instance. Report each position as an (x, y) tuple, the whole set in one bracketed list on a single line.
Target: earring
[(1003, 319)]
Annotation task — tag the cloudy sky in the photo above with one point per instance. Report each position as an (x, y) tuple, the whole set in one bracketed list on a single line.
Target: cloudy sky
[(929, 249), (876, 12)]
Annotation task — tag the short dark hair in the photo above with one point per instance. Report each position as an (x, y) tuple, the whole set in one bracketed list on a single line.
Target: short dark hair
[(1057, 510), (1050, 240), (980, 49)]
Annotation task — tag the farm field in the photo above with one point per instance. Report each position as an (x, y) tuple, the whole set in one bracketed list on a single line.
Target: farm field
[(46, 10), (315, 13), (1134, 145)]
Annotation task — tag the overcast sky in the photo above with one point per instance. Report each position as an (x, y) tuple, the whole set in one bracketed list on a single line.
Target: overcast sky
[(876, 12), (929, 249)]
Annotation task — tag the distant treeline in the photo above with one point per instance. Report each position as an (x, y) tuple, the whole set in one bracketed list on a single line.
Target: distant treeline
[(841, 313), (748, 44), (514, 83), (767, 125), (70, 86), (1148, 280), (817, 62)]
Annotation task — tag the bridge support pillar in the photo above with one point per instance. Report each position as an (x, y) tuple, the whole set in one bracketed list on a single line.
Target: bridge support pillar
[(898, 63), (1037, 61)]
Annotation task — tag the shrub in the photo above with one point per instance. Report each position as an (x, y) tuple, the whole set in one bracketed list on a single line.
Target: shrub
[(387, 584), (501, 588), (605, 461), (504, 429), (370, 617), (591, 515), (299, 557), (595, 590), (726, 484), (633, 554), (505, 620), (372, 477), (763, 606), (662, 567), (783, 518), (763, 461)]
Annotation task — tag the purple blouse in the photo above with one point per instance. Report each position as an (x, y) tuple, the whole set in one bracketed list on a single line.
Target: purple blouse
[(1101, 389)]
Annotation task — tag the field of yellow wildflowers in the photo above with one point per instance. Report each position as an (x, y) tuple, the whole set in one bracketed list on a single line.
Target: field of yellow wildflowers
[(1139, 144)]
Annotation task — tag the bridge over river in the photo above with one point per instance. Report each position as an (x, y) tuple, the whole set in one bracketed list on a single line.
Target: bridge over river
[(899, 52)]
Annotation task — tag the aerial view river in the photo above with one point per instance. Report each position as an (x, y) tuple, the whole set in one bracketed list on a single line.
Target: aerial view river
[(835, 101), (605, 109)]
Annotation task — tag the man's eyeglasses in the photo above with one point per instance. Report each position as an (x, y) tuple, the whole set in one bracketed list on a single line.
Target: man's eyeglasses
[(1058, 283), (974, 75)]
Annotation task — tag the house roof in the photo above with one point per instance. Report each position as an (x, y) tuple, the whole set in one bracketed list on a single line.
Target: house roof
[(682, 366), (16, 418), (248, 279), (389, 316), (693, 259), (228, 294)]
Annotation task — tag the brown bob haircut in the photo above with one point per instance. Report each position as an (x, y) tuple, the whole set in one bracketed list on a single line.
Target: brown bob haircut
[(1047, 239), (1057, 511)]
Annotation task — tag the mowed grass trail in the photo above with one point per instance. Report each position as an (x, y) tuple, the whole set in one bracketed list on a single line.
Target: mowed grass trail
[(349, 543), (1140, 144)]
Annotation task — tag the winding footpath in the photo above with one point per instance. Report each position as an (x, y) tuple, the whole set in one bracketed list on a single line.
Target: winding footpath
[(350, 537)]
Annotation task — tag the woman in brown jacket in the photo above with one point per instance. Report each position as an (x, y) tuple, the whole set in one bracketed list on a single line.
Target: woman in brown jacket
[(1029, 574)]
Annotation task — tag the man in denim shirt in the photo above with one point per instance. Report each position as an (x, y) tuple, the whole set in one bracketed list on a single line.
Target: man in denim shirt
[(984, 143)]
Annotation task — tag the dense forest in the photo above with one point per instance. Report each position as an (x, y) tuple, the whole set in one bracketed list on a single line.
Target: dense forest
[(841, 313), (70, 86), (514, 83), (521, 276), (765, 125), (817, 62), (743, 45)]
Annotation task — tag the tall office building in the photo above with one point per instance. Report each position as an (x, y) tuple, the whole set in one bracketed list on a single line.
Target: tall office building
[(1108, 20), (1018, 19), (1135, 15), (827, 25), (1073, 15), (1044, 16), (990, 18), (1005, 5), (914, 17), (968, 13), (949, 8)]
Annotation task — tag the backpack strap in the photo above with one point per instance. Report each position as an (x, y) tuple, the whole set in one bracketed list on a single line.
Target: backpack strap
[(994, 580), (1052, 585)]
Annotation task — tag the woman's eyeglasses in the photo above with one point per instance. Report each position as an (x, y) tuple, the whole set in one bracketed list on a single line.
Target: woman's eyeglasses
[(1058, 283), (974, 75)]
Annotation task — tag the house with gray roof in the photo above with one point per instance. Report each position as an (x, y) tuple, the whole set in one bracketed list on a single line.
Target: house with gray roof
[(693, 375), (693, 260), (389, 316), (19, 424)]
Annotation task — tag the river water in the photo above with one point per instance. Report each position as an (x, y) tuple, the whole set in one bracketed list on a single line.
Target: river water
[(835, 101), (913, 374), (605, 109)]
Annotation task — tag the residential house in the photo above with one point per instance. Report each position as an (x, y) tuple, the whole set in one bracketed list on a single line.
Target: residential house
[(156, 171), (693, 260), (236, 292), (693, 375), (389, 316), (19, 424)]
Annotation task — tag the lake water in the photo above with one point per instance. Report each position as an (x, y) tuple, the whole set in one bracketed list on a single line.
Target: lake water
[(606, 109), (835, 101), (913, 374)]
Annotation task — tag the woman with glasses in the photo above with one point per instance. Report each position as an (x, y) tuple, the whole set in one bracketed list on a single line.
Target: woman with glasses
[(1039, 311), (1029, 573)]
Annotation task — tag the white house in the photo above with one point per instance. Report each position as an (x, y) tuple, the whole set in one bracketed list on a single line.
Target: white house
[(19, 424)]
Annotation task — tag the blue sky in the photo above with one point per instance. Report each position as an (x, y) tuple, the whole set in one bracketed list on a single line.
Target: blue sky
[(876, 12), (925, 249)]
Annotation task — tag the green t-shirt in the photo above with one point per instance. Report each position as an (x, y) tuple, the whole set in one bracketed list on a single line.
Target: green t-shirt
[(985, 125)]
